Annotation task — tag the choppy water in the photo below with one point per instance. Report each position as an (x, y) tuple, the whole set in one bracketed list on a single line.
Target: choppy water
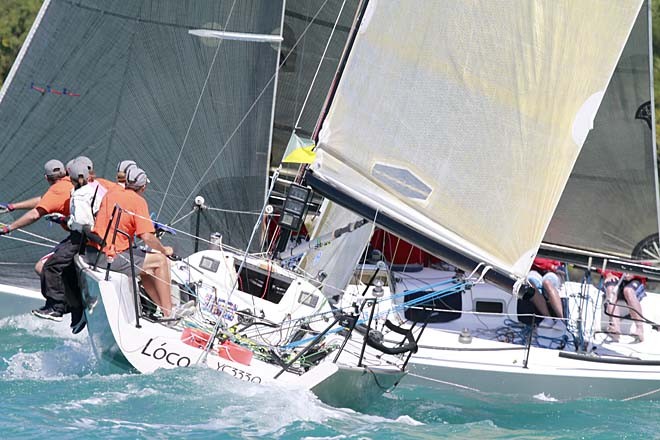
[(50, 388)]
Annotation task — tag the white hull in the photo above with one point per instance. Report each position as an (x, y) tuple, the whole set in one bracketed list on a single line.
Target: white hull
[(119, 343), (18, 301), (616, 370), (547, 372)]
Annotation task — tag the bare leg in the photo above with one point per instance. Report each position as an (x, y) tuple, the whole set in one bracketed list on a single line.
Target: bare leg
[(38, 267), (553, 297), (540, 304), (156, 279), (635, 309), (611, 298)]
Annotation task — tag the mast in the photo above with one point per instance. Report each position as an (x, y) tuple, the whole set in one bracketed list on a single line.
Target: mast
[(340, 68)]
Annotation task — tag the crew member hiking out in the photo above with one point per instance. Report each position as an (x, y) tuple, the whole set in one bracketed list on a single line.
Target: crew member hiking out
[(153, 267)]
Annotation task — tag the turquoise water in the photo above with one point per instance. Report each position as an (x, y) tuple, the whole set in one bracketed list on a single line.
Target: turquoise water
[(50, 388)]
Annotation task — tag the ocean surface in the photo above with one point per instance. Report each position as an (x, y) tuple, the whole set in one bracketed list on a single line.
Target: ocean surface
[(51, 388)]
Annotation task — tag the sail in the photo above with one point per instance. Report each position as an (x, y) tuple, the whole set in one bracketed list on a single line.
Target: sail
[(117, 80), (460, 122), (338, 260), (309, 26), (610, 204)]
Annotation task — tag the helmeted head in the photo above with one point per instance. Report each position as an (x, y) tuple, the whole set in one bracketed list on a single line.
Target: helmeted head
[(122, 169), (78, 169), (136, 178), (54, 170)]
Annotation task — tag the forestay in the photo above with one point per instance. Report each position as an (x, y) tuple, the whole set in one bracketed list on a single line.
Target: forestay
[(610, 204), (315, 33), (461, 121), (117, 80)]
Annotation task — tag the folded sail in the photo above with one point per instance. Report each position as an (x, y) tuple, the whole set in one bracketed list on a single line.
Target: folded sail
[(338, 259), (610, 204), (117, 80), (460, 121)]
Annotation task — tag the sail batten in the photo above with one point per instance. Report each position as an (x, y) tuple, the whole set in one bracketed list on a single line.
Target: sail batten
[(461, 123)]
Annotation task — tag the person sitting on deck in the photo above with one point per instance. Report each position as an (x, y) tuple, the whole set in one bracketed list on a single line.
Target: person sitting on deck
[(630, 288), (54, 201), (546, 283), (153, 267)]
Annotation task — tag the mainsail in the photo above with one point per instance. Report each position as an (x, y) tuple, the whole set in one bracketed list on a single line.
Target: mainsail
[(117, 80), (456, 125), (610, 204)]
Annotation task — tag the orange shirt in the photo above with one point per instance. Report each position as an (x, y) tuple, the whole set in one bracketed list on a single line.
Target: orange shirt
[(56, 199), (133, 225), (108, 185)]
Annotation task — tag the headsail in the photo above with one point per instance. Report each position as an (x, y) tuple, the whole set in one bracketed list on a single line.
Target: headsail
[(118, 80), (610, 204), (339, 259), (460, 123)]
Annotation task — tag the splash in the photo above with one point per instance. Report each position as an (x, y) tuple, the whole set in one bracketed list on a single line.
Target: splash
[(39, 349), (545, 398)]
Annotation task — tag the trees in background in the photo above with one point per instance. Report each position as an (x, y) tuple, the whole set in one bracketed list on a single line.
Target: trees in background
[(16, 17)]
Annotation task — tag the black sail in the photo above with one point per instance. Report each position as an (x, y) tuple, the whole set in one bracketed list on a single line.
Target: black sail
[(117, 80), (610, 204)]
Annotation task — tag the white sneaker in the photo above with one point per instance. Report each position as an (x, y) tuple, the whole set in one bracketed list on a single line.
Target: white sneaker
[(546, 323), (181, 311)]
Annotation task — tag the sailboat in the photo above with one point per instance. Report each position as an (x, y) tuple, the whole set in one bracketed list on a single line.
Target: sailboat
[(463, 146), (189, 88), (127, 94)]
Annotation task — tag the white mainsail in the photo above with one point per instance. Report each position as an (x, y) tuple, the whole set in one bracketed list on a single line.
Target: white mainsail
[(461, 122)]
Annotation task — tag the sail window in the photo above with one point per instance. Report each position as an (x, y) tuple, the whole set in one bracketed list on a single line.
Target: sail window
[(482, 306), (401, 180)]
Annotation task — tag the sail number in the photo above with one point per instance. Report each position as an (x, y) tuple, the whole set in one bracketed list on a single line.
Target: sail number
[(160, 353), (238, 374)]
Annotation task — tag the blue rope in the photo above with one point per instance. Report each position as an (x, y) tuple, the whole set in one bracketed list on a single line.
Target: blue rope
[(458, 287)]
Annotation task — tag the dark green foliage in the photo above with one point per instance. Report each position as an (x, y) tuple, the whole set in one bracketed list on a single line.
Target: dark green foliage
[(16, 17)]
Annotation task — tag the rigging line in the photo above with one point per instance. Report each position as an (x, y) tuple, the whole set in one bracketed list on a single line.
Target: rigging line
[(641, 395), (32, 234), (235, 211), (28, 241), (249, 110), (192, 211), (318, 68), (194, 115)]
